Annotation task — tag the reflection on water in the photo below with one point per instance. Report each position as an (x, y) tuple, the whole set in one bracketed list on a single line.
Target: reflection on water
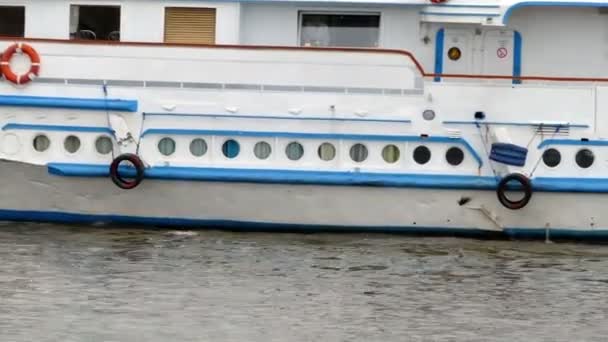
[(87, 284)]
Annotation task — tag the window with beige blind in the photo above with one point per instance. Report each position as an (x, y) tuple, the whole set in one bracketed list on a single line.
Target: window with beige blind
[(189, 25)]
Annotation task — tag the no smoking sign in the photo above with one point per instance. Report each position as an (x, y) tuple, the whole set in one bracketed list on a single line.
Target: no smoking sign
[(502, 52)]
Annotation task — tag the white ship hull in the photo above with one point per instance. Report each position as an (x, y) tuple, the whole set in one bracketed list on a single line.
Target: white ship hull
[(401, 117), (33, 194)]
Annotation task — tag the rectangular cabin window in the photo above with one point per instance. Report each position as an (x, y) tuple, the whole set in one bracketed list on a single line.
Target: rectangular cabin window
[(12, 21), (343, 30), (190, 25), (95, 22)]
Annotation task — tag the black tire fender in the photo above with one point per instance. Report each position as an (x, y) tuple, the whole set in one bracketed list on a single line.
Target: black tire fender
[(503, 187), (121, 181)]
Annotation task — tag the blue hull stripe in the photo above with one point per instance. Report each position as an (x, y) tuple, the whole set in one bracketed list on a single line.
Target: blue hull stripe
[(543, 184), (69, 103), (75, 218), (572, 142), (57, 128)]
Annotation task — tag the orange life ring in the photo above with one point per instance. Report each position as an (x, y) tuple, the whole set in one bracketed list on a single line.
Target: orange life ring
[(5, 66)]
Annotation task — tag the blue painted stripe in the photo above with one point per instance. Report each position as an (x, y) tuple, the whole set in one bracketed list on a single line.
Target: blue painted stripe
[(509, 12), (439, 43), (425, 181), (271, 117), (287, 176), (57, 128), (571, 142), (252, 226), (504, 123), (68, 103), (336, 136), (517, 57), (449, 14)]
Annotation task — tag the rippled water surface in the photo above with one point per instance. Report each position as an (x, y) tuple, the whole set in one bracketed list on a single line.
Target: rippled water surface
[(92, 284)]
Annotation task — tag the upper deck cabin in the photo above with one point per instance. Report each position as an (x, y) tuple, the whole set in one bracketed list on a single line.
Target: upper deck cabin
[(464, 37)]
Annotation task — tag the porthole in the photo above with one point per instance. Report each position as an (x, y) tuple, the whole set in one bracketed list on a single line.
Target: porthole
[(294, 151), (231, 148), (198, 147), (422, 155), (41, 143), (327, 151), (71, 144), (358, 153), (454, 156), (552, 157), (391, 154), (584, 158), (103, 145), (428, 115), (166, 146), (454, 53), (262, 150)]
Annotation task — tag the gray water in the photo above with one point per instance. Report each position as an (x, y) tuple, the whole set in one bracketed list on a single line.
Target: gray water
[(92, 284)]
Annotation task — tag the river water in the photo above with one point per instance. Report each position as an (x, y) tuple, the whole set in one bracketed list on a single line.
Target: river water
[(92, 284)]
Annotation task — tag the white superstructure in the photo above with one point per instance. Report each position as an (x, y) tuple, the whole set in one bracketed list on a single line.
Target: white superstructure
[(344, 115)]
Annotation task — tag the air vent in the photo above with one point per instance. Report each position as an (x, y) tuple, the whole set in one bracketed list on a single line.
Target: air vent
[(553, 130)]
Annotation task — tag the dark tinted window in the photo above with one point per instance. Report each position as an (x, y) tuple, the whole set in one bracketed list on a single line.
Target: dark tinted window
[(552, 157), (454, 156), (422, 154), (358, 30), (95, 22), (12, 21), (584, 158)]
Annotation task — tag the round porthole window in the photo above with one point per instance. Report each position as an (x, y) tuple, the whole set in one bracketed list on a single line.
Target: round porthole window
[(454, 156), (327, 151), (166, 146), (41, 143), (198, 147), (231, 148), (422, 155), (262, 150), (103, 145), (391, 154), (294, 151), (584, 158), (552, 157), (358, 153), (454, 53), (428, 115), (71, 144)]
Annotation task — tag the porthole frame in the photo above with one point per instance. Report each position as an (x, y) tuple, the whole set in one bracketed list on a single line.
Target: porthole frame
[(238, 149), (97, 138), (266, 157), (334, 151), (399, 153), (576, 158), (287, 154), (40, 134), (559, 156), (174, 147), (454, 148), (205, 143), (365, 149), (80, 144), (428, 160)]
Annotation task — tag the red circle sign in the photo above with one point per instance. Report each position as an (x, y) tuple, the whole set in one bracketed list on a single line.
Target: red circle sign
[(502, 52)]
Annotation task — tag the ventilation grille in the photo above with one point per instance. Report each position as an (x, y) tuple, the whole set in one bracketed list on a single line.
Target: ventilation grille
[(190, 25), (553, 130)]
